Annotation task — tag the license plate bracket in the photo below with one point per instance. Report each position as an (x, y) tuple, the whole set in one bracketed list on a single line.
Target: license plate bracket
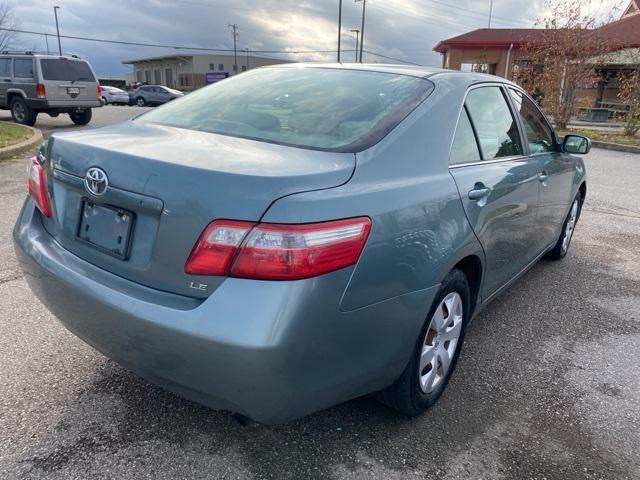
[(106, 228)]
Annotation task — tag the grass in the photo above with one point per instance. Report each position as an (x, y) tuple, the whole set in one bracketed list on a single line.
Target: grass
[(602, 136), (11, 133)]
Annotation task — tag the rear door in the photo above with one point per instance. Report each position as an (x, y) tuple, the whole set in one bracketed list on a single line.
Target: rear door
[(498, 184), (68, 81), (5, 79), (556, 168)]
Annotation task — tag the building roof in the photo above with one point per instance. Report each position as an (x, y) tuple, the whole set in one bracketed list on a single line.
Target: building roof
[(622, 33), (241, 54)]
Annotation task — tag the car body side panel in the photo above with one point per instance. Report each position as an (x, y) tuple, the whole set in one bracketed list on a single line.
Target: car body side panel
[(419, 230), (504, 221), (556, 192)]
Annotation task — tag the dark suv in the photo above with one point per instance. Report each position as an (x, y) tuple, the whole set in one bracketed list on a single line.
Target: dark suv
[(33, 83)]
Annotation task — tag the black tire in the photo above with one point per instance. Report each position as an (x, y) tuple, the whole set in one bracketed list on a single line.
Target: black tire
[(560, 249), (21, 112), (103, 101), (141, 102), (81, 117), (405, 394)]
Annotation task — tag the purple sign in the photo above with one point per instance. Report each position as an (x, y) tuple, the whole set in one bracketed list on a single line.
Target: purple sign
[(213, 77)]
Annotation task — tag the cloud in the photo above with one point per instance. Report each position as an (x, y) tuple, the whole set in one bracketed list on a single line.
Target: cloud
[(406, 29)]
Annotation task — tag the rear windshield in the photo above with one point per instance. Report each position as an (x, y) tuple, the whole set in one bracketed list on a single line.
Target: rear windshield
[(66, 70), (319, 108)]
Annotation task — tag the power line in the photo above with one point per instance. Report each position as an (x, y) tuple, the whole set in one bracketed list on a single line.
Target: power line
[(157, 45), (392, 58)]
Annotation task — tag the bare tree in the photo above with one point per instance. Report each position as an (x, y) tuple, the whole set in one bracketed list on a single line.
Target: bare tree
[(562, 63), (629, 91), (7, 20)]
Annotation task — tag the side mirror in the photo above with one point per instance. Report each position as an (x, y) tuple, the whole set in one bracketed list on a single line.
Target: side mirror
[(576, 144)]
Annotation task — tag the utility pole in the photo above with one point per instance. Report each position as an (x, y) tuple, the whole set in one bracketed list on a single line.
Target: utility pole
[(357, 32), (490, 13), (55, 14), (234, 27), (364, 5), (247, 50), (46, 39), (339, 26)]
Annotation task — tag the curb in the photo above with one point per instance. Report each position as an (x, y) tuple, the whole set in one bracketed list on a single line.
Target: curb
[(23, 146), (616, 146)]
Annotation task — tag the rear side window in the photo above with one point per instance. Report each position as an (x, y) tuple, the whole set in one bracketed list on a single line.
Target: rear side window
[(465, 147), (64, 70), (495, 126), (539, 136), (23, 68), (5, 67), (319, 108)]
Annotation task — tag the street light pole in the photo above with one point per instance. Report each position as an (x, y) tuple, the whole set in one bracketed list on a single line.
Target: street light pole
[(364, 5), (247, 49), (357, 32), (339, 26), (55, 14), (234, 27)]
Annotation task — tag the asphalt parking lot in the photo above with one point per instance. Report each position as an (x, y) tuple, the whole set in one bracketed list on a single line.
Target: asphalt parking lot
[(101, 116), (547, 387)]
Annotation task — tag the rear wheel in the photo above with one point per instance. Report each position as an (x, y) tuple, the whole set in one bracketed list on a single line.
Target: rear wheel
[(436, 351), (21, 112), (140, 102), (561, 247), (81, 117)]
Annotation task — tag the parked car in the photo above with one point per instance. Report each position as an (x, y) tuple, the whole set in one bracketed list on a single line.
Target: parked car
[(31, 84), (114, 96), (153, 95), (276, 261)]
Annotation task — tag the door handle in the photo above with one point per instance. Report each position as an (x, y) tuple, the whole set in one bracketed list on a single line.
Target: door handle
[(478, 193), (542, 176)]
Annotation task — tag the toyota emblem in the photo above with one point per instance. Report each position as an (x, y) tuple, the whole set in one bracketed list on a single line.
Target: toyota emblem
[(96, 181)]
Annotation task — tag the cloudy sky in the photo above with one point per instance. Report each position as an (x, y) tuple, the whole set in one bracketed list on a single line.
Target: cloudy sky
[(405, 29)]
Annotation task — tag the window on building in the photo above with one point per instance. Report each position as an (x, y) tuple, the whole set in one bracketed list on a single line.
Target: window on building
[(479, 68), (139, 77), (539, 136), (23, 67), (465, 147), (244, 68), (157, 77), (495, 126), (212, 66), (147, 76), (221, 66), (5, 67)]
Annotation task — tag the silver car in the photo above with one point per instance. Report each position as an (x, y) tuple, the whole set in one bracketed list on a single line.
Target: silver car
[(154, 95), (114, 96)]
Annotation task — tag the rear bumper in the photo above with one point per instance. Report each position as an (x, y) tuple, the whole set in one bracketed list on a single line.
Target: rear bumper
[(272, 351), (42, 104)]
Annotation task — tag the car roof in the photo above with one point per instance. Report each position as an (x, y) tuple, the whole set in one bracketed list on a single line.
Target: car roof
[(410, 70)]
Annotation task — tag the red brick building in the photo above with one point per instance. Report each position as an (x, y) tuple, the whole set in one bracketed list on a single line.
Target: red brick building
[(499, 50)]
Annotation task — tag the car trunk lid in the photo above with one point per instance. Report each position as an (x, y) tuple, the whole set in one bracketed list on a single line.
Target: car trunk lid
[(172, 182)]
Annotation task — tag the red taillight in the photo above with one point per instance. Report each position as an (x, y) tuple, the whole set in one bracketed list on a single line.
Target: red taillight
[(37, 186), (270, 251), (40, 91), (99, 91)]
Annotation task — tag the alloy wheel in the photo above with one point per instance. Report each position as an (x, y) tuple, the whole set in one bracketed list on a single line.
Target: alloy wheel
[(440, 342), (570, 226)]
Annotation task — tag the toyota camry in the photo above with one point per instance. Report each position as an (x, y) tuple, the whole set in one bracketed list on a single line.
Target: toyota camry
[(300, 235)]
